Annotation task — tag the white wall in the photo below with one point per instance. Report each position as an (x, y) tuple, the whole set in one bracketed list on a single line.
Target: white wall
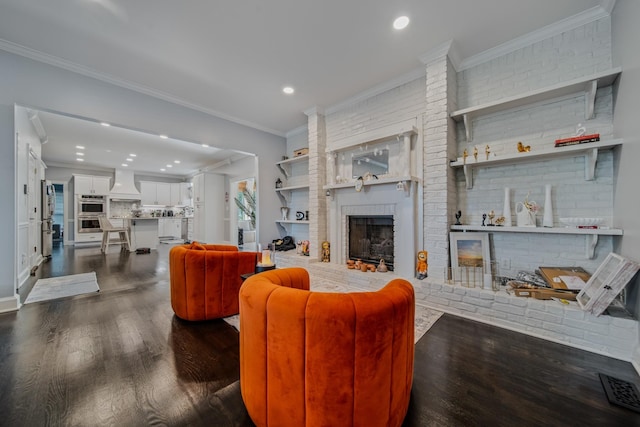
[(626, 34), (30, 83)]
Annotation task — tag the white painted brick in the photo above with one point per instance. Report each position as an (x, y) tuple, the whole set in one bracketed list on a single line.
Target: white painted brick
[(545, 316), (507, 308), (600, 329)]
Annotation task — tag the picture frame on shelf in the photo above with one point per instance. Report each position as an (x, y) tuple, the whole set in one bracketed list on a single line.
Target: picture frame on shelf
[(471, 250)]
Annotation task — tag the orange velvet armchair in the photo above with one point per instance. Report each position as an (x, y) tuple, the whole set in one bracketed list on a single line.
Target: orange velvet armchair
[(205, 279), (325, 359)]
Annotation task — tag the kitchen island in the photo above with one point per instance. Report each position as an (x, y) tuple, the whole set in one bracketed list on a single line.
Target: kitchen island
[(143, 232)]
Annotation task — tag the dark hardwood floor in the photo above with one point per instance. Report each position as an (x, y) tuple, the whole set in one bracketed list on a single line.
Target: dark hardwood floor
[(120, 357)]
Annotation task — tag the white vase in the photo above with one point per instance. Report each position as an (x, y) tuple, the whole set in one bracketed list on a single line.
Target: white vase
[(506, 209), (547, 219), (525, 218)]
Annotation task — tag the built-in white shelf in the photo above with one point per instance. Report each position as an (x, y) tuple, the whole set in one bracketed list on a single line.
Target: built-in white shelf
[(591, 234), (587, 85), (589, 150), (285, 165), (383, 180), (292, 221), (293, 187)]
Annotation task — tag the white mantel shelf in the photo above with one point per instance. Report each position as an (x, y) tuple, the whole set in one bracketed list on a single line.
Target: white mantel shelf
[(383, 180), (591, 234), (587, 85), (589, 150)]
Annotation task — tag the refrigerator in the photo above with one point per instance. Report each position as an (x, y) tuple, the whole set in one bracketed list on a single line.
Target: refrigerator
[(46, 211)]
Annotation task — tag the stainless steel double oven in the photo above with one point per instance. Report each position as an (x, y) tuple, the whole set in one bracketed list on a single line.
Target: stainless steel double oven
[(90, 208)]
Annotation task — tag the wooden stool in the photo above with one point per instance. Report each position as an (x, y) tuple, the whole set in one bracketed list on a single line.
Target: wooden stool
[(107, 229)]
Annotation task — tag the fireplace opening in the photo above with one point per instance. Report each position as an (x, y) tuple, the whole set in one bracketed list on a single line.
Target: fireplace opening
[(371, 239)]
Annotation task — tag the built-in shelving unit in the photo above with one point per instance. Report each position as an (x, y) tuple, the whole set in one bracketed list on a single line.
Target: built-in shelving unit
[(591, 234), (587, 85), (589, 150), (285, 165)]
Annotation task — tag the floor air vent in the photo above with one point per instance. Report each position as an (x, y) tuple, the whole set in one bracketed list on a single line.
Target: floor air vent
[(621, 393)]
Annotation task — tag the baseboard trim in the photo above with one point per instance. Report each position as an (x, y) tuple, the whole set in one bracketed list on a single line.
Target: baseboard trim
[(8, 304)]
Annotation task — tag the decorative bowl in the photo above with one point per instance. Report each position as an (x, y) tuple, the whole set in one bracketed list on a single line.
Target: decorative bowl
[(581, 222)]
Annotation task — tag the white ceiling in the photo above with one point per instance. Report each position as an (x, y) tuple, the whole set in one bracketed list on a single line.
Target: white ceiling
[(232, 58)]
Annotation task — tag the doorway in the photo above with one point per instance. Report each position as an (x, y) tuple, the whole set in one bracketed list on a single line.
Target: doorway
[(58, 216)]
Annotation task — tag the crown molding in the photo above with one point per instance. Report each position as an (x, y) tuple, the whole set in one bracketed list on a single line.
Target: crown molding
[(311, 111), (89, 72), (575, 21), (608, 5)]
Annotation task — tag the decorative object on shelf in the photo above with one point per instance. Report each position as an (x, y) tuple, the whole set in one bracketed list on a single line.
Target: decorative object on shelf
[(422, 267), (278, 183), (470, 251), (305, 248), (491, 215), (300, 152), (285, 158), (484, 218), (547, 219), (475, 153), (582, 222), (487, 151), (326, 254), (580, 130), (306, 215), (465, 154), (574, 140), (284, 211), (458, 215), (382, 267), (506, 209), (369, 176), (299, 247), (359, 183), (523, 148), (500, 221), (363, 267), (299, 216), (526, 213), (400, 186)]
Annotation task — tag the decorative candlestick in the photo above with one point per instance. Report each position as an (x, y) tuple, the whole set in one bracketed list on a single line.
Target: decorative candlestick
[(547, 219), (506, 209)]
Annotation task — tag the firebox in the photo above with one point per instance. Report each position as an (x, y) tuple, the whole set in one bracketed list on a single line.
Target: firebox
[(371, 239)]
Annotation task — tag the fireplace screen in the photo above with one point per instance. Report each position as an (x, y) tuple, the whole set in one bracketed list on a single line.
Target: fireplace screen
[(371, 239)]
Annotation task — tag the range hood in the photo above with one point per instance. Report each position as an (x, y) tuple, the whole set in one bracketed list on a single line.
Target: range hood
[(124, 187)]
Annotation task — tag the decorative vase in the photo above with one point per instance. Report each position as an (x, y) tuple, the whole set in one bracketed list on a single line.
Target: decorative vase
[(547, 219), (525, 217), (506, 209), (285, 212)]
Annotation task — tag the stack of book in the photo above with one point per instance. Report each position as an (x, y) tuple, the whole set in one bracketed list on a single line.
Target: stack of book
[(577, 140)]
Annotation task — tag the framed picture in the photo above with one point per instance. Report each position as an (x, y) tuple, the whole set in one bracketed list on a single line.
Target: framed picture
[(469, 249)]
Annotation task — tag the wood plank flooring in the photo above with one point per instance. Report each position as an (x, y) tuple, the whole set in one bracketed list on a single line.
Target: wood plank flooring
[(122, 358)]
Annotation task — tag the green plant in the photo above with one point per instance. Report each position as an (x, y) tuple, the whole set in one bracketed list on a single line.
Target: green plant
[(246, 202)]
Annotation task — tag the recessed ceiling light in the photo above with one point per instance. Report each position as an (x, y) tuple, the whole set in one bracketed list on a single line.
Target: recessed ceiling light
[(132, 155), (288, 90), (176, 161), (125, 165), (105, 124), (169, 166), (401, 23), (205, 145), (164, 136), (129, 159), (79, 153), (80, 160), (163, 169), (80, 147)]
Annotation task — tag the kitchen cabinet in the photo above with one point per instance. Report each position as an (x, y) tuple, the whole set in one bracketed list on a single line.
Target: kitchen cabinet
[(86, 184), (170, 228), (155, 193), (181, 194), (208, 214)]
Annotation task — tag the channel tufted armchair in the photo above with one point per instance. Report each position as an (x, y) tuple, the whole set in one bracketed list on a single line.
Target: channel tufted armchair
[(205, 279), (325, 359)]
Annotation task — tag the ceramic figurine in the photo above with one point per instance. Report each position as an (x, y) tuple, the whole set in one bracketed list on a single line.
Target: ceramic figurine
[(491, 215), (523, 148), (422, 267), (465, 154), (278, 183), (458, 215), (475, 153), (305, 247), (484, 218), (487, 151), (382, 267), (326, 255)]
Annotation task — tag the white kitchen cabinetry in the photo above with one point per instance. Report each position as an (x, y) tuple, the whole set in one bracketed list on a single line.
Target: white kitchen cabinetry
[(208, 213), (155, 193), (86, 184), (170, 228), (181, 194)]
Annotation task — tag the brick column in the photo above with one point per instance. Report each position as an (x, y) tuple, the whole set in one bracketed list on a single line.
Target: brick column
[(439, 189), (317, 178)]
